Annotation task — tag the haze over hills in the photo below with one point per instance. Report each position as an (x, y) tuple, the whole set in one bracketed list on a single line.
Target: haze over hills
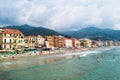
[(31, 30), (95, 33)]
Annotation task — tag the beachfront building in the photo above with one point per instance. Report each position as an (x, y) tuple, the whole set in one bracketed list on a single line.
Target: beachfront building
[(96, 44), (40, 41), (59, 41), (116, 43), (30, 42), (46, 44), (68, 43), (110, 43), (75, 43), (11, 39), (105, 43), (86, 43), (100, 43), (50, 41)]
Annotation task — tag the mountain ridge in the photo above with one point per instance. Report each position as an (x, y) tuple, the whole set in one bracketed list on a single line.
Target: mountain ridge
[(28, 30), (95, 33)]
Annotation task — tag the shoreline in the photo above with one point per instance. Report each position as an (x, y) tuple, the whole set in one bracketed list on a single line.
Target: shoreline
[(44, 53)]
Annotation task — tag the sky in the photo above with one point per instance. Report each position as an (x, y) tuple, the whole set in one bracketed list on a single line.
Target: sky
[(61, 14)]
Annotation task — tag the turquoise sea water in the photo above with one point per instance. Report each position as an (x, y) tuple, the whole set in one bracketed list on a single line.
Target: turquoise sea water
[(98, 64)]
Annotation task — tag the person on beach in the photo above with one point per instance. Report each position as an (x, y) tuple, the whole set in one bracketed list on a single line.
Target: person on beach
[(14, 58), (40, 53)]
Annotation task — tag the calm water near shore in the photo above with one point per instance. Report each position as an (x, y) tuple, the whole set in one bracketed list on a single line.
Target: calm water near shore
[(97, 64)]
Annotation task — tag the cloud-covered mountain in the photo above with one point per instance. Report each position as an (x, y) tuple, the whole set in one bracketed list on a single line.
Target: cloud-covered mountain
[(28, 30), (95, 33)]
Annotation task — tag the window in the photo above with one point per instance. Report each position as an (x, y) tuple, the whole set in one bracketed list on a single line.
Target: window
[(10, 41), (4, 40), (14, 41), (10, 46), (10, 34), (4, 34), (4, 46), (19, 41)]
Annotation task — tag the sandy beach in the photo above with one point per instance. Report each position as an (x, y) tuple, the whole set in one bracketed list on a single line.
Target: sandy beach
[(44, 53)]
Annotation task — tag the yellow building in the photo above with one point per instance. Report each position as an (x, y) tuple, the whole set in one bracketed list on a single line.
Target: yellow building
[(87, 43), (30, 42), (11, 39)]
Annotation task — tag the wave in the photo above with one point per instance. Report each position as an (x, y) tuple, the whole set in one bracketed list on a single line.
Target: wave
[(82, 54), (6, 63), (85, 53)]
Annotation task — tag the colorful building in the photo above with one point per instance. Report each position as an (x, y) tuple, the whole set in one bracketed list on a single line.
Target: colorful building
[(75, 43), (50, 41), (11, 39), (30, 42), (40, 41), (59, 41), (87, 43)]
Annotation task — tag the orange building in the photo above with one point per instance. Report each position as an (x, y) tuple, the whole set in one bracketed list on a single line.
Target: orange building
[(59, 41)]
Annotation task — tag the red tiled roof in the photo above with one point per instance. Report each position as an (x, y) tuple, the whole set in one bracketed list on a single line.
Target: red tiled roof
[(10, 31)]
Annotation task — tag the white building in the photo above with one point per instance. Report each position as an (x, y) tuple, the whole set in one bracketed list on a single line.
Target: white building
[(40, 41), (68, 43)]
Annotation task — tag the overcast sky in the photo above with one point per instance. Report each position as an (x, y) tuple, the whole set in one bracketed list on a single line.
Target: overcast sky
[(61, 14)]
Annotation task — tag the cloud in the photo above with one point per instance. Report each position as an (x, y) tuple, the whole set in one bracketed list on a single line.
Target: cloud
[(61, 14)]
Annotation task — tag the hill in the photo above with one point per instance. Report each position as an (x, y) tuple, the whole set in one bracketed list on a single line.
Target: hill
[(28, 30), (95, 33)]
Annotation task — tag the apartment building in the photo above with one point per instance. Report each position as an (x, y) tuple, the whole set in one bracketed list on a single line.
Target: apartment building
[(87, 43), (30, 41), (11, 39), (40, 41), (75, 43), (68, 43), (59, 41), (50, 41)]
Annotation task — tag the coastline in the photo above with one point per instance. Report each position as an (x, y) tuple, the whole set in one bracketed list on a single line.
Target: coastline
[(44, 53), (47, 53)]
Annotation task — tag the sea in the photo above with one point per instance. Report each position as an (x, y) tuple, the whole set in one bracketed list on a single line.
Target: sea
[(95, 64)]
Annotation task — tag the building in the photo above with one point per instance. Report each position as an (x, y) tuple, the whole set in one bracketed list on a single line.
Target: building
[(68, 43), (40, 41), (75, 43), (110, 43), (50, 41), (30, 42), (11, 39), (87, 43), (59, 41)]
